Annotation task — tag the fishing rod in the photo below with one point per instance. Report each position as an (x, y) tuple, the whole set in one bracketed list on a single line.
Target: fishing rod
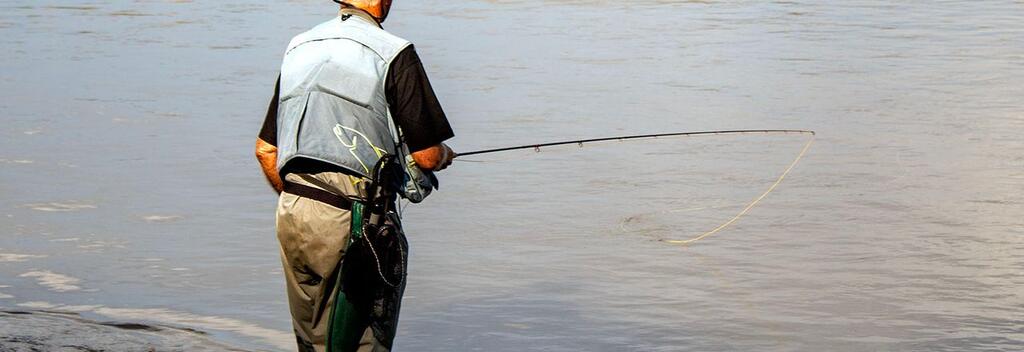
[(580, 142), (704, 235)]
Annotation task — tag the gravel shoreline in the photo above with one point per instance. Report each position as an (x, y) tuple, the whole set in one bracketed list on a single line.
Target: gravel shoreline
[(30, 331)]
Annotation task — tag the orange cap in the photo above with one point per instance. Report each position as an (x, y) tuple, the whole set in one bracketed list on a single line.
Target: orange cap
[(376, 8)]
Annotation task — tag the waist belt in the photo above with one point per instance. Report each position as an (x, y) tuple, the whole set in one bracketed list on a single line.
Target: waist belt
[(319, 195)]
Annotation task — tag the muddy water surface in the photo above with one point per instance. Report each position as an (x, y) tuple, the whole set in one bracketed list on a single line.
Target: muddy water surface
[(129, 190)]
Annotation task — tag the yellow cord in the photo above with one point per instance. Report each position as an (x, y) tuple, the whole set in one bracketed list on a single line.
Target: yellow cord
[(752, 204)]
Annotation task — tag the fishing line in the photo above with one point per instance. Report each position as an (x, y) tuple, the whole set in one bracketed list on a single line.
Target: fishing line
[(734, 219), (753, 203), (638, 217)]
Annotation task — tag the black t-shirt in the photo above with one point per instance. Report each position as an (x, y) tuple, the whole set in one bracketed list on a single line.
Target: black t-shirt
[(412, 102)]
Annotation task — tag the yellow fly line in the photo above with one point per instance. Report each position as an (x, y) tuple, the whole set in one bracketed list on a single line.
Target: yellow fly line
[(752, 204)]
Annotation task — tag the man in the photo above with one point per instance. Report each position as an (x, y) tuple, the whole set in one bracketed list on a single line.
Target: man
[(352, 105)]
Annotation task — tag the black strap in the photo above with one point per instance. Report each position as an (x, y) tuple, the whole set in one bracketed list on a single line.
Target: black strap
[(318, 195)]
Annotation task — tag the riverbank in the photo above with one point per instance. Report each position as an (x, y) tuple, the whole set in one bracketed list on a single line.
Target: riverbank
[(25, 330)]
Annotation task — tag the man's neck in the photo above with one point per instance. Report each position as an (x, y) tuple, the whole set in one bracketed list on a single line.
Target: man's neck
[(352, 11)]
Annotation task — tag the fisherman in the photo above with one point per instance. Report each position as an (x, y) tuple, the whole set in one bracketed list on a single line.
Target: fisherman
[(353, 125)]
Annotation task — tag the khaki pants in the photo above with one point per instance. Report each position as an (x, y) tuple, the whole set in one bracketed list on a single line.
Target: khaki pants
[(313, 239)]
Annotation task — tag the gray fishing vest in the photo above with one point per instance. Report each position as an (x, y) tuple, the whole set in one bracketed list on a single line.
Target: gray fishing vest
[(332, 105)]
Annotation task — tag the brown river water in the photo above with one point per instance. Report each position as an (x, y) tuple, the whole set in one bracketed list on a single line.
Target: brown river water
[(128, 189)]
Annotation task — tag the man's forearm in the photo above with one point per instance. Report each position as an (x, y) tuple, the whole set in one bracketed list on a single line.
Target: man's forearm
[(266, 154)]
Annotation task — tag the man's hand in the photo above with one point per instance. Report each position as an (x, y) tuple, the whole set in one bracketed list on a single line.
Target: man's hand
[(266, 153), (434, 158)]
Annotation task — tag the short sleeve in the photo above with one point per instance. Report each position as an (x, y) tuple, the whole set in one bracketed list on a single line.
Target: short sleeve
[(269, 131), (413, 104)]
